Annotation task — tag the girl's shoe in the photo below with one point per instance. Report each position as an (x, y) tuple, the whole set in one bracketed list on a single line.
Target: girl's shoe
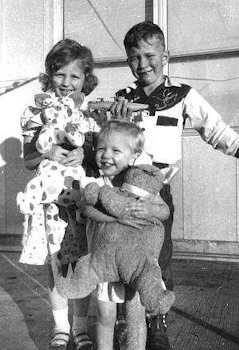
[(59, 341), (82, 342)]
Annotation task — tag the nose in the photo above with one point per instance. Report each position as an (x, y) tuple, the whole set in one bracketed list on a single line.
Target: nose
[(106, 154), (66, 81), (143, 62)]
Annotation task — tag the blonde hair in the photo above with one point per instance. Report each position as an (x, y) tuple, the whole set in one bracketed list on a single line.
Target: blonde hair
[(134, 133)]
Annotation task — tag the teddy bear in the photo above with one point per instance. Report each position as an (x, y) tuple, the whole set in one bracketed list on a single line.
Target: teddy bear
[(124, 250)]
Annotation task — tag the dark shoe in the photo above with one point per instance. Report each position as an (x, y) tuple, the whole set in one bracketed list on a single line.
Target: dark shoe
[(120, 334), (157, 338), (82, 342)]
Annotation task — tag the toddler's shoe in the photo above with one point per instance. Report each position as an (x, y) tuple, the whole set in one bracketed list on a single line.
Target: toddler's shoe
[(157, 338)]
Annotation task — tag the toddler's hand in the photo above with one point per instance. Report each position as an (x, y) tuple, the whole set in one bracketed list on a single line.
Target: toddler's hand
[(142, 210), (74, 158)]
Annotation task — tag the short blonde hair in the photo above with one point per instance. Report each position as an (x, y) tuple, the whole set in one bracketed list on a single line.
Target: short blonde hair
[(134, 133)]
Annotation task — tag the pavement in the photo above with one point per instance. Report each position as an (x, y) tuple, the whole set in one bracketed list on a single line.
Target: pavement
[(25, 313), (205, 315)]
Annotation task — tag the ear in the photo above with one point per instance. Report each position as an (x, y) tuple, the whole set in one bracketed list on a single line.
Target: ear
[(40, 98), (78, 98), (165, 58), (133, 158)]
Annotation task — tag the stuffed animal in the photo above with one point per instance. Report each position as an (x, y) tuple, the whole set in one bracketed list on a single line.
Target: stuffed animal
[(124, 250), (64, 124)]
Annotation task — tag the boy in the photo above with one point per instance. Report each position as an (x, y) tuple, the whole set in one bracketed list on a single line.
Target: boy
[(169, 105)]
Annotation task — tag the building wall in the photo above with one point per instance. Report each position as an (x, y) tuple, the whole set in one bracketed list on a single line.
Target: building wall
[(206, 188)]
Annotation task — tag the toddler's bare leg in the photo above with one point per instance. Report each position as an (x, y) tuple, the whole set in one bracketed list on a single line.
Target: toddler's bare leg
[(105, 324), (136, 324)]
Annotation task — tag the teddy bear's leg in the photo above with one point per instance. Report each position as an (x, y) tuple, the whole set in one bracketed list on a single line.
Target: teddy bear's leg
[(52, 180), (89, 271), (28, 200), (151, 288), (45, 139), (74, 136), (79, 283), (55, 227)]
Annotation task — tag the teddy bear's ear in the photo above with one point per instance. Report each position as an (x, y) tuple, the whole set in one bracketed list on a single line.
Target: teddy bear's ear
[(77, 97), (40, 98), (148, 168)]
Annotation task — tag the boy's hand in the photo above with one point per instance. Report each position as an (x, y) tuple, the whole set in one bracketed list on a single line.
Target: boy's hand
[(74, 158), (120, 110)]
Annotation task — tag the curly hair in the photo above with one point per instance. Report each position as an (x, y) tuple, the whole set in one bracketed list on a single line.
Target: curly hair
[(63, 53)]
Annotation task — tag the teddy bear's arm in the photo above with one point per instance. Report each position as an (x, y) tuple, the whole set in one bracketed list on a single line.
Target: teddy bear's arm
[(119, 204), (95, 214), (115, 202)]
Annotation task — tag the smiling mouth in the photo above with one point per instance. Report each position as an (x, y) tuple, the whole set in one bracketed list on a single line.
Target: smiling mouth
[(144, 73), (65, 92), (106, 165)]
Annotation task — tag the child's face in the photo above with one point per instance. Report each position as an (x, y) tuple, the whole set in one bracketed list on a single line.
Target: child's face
[(114, 153), (68, 79), (147, 61)]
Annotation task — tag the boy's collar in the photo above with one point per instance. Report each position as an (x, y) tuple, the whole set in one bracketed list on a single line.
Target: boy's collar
[(167, 83)]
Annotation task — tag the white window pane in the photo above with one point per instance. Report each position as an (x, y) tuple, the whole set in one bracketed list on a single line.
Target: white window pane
[(102, 24), (200, 26)]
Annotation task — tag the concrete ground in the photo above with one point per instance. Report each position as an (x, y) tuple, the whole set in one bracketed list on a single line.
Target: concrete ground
[(205, 315)]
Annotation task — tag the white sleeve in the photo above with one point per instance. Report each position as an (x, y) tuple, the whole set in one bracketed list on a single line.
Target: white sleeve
[(209, 124)]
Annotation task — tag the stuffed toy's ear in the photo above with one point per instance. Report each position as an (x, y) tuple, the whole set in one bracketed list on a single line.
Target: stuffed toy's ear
[(40, 98), (91, 193), (148, 168), (77, 97)]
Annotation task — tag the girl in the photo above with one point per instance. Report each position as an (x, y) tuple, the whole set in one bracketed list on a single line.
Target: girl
[(119, 145), (69, 67)]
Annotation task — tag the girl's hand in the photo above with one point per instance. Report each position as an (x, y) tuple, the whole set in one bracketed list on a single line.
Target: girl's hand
[(74, 158), (56, 153), (120, 110)]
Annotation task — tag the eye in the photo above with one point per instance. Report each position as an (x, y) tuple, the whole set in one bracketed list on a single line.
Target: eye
[(99, 149), (76, 77), (116, 150), (133, 59), (58, 75)]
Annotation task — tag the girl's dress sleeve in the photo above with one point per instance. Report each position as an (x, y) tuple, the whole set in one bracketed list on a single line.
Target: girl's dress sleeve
[(31, 121)]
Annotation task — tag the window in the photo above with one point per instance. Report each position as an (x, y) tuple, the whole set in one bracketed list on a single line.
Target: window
[(102, 24)]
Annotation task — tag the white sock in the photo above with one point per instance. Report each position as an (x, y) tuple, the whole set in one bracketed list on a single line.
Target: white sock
[(61, 320), (79, 325)]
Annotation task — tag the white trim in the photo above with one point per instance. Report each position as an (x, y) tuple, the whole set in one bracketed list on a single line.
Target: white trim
[(53, 23), (160, 17), (58, 20)]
